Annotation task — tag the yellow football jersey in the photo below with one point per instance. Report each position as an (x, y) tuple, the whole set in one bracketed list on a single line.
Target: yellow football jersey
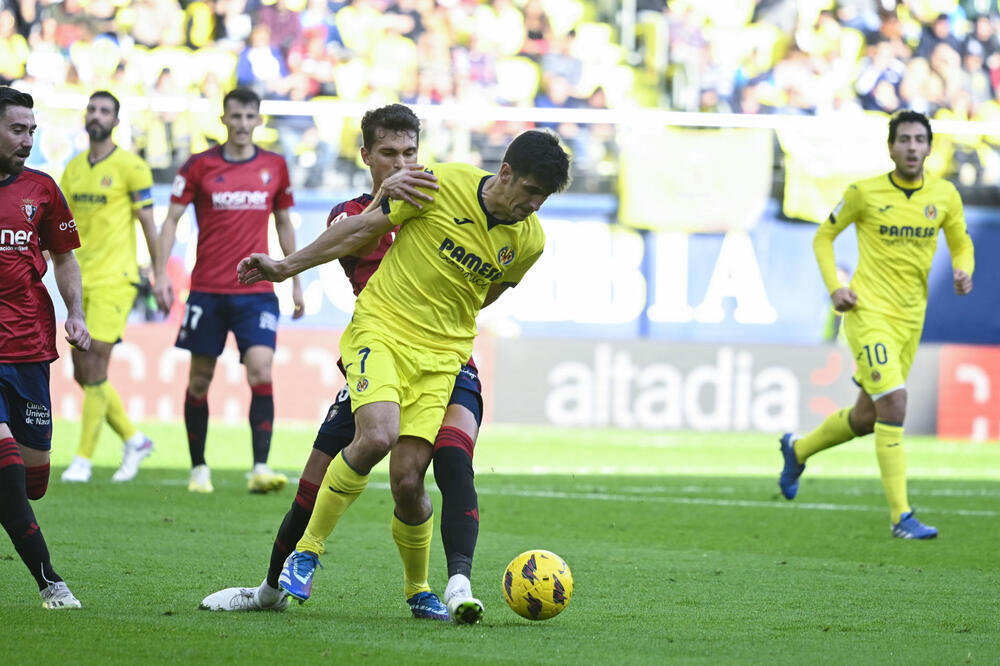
[(431, 284), (103, 198), (897, 237)]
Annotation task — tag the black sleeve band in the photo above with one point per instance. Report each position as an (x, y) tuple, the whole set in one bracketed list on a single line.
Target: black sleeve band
[(385, 205)]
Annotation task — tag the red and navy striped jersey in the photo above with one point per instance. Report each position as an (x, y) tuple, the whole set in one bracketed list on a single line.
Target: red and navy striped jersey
[(233, 202), (34, 216)]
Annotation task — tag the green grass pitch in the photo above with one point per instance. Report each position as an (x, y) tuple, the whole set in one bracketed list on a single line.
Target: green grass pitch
[(681, 548)]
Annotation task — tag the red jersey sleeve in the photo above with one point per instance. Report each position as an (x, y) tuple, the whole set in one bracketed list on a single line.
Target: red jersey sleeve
[(185, 182), (283, 198), (57, 228)]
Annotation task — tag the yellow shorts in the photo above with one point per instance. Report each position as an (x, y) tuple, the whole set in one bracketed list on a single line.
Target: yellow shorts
[(420, 381), (106, 309), (883, 351)]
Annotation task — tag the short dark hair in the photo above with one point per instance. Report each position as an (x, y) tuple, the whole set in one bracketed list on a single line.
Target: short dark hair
[(106, 95), (13, 97), (909, 117), (537, 153), (241, 95), (392, 117)]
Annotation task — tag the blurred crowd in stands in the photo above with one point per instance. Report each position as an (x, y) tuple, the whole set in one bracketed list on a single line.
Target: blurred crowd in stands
[(810, 57)]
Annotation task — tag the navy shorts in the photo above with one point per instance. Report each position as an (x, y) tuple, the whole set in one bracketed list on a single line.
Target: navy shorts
[(25, 405), (337, 429), (208, 318)]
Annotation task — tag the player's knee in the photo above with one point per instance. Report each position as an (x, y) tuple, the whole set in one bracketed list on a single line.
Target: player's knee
[(374, 444), (407, 487), (198, 384)]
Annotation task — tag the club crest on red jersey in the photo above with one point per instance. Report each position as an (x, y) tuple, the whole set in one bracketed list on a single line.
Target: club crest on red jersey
[(28, 209), (505, 255), (265, 176)]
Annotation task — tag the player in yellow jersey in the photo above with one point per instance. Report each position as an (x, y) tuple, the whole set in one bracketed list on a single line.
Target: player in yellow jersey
[(107, 188), (897, 217), (413, 327)]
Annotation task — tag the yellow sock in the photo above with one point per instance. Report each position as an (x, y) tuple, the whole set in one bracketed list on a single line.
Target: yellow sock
[(330, 504), (414, 543), (836, 429), (892, 463), (95, 407), (117, 417)]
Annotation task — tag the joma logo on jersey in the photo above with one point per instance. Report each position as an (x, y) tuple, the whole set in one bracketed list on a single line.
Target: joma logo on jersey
[(470, 261), (907, 231), (239, 199), (15, 237)]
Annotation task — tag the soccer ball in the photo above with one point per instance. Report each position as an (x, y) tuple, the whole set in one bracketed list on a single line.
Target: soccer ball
[(537, 585)]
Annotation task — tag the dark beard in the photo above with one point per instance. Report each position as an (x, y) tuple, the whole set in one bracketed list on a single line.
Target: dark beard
[(10, 168), (97, 133)]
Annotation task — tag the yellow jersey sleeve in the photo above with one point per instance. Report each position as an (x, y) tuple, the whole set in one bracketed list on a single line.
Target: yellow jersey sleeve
[(843, 215), (139, 180), (956, 234)]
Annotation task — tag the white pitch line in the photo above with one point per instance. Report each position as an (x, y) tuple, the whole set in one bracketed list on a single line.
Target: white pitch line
[(705, 501), (697, 501)]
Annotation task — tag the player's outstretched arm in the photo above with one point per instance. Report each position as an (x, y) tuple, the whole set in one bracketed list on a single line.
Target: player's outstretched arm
[(163, 291), (286, 239), (403, 186), (336, 241), (67, 274)]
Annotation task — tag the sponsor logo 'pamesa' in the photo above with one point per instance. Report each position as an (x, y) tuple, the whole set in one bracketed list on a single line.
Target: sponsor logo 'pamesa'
[(907, 231)]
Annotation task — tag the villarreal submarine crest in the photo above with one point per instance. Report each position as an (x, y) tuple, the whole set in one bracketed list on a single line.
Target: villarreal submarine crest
[(477, 269), (505, 255)]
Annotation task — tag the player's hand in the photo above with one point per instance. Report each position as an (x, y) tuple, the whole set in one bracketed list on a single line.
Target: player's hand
[(259, 267), (963, 282), (844, 299), (77, 333), (163, 292), (404, 185), (300, 304)]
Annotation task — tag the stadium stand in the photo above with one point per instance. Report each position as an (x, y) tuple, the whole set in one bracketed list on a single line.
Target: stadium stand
[(763, 57)]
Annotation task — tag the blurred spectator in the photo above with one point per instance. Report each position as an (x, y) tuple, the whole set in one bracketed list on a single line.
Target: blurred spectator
[(860, 15), (233, 22), (938, 32), (147, 20), (975, 78), (537, 30), (880, 70), (282, 19), (921, 88), (261, 65), (320, 15), (406, 18), (783, 14), (13, 48)]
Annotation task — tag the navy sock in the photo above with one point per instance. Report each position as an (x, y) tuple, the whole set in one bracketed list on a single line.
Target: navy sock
[(18, 519), (196, 422), (261, 418), (459, 502)]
